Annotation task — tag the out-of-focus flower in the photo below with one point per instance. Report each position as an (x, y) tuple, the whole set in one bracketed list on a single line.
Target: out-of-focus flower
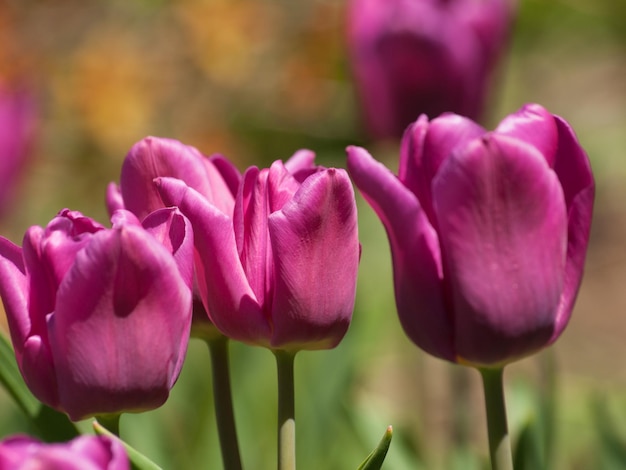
[(82, 453), (214, 177), (281, 271), (99, 318), (488, 232), (17, 131), (412, 57)]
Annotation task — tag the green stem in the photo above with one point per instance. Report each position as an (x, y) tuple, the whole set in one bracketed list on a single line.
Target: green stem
[(111, 422), (499, 442), (286, 411), (222, 396)]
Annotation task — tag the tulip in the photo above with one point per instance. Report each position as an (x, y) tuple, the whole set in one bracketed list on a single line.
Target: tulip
[(215, 178), (412, 57), (99, 318), (84, 452), (280, 271), (488, 232), (17, 126)]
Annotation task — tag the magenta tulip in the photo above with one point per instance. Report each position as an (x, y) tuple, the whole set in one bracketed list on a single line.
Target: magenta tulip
[(82, 453), (100, 318), (279, 272), (214, 177), (488, 232), (17, 128), (412, 57)]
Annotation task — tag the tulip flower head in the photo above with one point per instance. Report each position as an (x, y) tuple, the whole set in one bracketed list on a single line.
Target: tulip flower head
[(99, 318), (216, 178), (280, 271), (412, 57), (488, 232), (83, 452)]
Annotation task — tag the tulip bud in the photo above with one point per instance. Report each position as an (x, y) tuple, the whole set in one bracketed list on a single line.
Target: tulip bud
[(84, 452), (99, 318), (215, 178), (412, 57), (280, 271), (488, 232)]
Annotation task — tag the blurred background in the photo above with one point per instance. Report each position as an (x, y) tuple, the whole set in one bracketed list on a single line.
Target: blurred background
[(257, 80)]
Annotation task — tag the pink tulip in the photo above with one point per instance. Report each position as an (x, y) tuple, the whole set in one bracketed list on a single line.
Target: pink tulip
[(412, 57), (100, 318), (17, 129), (82, 453), (280, 271), (214, 177), (488, 232)]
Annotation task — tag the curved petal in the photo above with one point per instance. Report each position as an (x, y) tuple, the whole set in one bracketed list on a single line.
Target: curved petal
[(14, 292), (170, 227), (113, 199), (231, 303), (574, 171), (121, 327), (229, 172), (155, 157), (534, 125), (316, 255), (425, 146), (503, 229), (415, 251)]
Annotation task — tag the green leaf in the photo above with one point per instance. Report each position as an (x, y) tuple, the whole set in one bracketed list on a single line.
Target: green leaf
[(138, 461), (375, 460), (527, 454), (12, 380)]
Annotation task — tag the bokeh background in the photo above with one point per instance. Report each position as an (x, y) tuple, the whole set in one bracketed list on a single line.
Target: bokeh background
[(256, 80)]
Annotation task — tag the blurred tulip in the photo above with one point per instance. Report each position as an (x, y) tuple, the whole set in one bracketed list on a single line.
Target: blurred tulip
[(488, 232), (214, 177), (281, 271), (82, 453), (100, 318), (412, 57), (17, 126)]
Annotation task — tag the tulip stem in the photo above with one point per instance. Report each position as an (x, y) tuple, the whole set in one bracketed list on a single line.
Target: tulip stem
[(286, 411), (111, 422), (497, 428), (222, 396)]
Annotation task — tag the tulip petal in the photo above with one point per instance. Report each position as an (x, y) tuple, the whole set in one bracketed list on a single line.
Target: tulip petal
[(230, 301), (14, 292), (574, 172), (316, 256), (415, 252), (123, 312), (424, 148), (533, 125), (170, 227), (114, 200), (503, 229), (155, 157)]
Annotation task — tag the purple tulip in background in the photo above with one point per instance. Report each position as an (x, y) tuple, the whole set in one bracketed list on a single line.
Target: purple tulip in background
[(412, 57), (488, 232), (213, 177), (82, 453), (100, 318), (279, 272), (17, 129)]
